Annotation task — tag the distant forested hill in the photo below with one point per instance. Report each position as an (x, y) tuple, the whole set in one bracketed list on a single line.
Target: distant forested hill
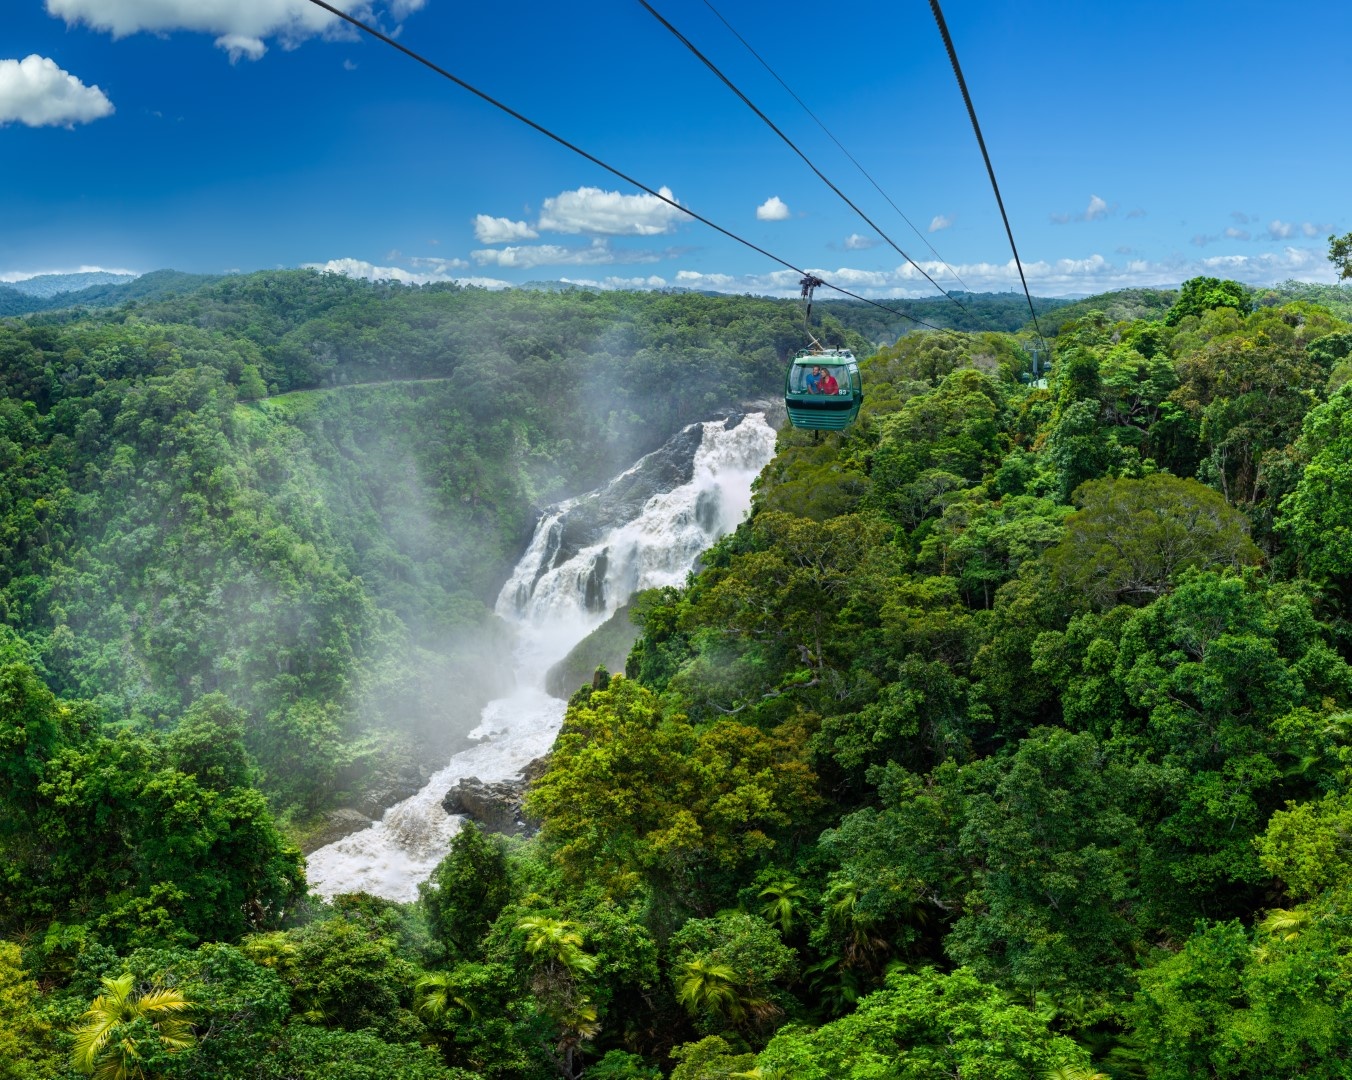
[(1006, 312), (47, 285), (18, 301)]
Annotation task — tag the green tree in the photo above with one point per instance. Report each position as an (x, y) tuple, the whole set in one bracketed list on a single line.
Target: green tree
[(1308, 846), (1131, 539), (1317, 516), (1241, 1005), (559, 966), (113, 1034), (631, 793), (1340, 254), (783, 900), (926, 1025), (711, 1058), (467, 891), (26, 1045), (729, 971), (705, 987), (1201, 294), (251, 384), (1054, 884)]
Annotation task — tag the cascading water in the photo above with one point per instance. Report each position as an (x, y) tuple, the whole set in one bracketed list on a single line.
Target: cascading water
[(558, 594)]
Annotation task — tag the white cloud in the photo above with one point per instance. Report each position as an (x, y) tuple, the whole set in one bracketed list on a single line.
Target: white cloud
[(438, 265), (1238, 234), (858, 242), (529, 256), (500, 230), (239, 26), (241, 46), (1280, 230), (1061, 277), (1311, 229), (940, 222), (358, 268), (34, 91), (772, 209), (1097, 210), (609, 213)]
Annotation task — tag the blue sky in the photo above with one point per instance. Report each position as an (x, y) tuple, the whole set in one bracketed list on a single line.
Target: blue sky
[(1135, 144)]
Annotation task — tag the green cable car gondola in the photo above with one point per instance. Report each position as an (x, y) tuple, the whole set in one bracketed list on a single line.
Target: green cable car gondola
[(822, 389)]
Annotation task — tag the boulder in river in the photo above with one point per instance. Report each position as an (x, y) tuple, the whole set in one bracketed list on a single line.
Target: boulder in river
[(495, 806)]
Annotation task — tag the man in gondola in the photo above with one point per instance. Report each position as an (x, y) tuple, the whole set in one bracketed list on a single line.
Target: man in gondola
[(812, 384)]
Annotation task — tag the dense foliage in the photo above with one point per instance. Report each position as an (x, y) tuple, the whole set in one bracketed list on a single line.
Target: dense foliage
[(1009, 737)]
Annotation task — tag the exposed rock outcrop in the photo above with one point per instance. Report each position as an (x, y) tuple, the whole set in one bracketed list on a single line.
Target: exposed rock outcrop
[(497, 807), (387, 788), (334, 825)]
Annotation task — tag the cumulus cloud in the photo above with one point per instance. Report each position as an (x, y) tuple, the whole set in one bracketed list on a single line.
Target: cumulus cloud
[(36, 92), (1060, 277), (359, 268), (1238, 234), (939, 222), (529, 256), (1309, 228), (1280, 230), (858, 242), (501, 230), (772, 209), (1097, 210), (241, 47), (239, 26), (438, 265), (1241, 217), (608, 213)]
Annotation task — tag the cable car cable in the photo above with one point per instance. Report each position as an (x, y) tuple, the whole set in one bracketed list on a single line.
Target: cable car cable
[(367, 28), (990, 169), (794, 147), (765, 64)]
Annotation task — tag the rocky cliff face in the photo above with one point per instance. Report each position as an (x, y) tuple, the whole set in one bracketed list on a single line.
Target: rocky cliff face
[(584, 522)]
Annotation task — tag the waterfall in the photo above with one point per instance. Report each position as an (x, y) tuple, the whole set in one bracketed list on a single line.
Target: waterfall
[(588, 556)]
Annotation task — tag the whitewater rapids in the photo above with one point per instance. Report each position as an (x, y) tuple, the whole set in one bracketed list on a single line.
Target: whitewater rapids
[(555, 598)]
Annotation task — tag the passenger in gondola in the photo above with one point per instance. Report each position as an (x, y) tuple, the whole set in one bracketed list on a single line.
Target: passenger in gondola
[(812, 380), (826, 384)]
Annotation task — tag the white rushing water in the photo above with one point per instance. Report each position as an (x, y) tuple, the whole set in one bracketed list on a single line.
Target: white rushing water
[(550, 610)]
